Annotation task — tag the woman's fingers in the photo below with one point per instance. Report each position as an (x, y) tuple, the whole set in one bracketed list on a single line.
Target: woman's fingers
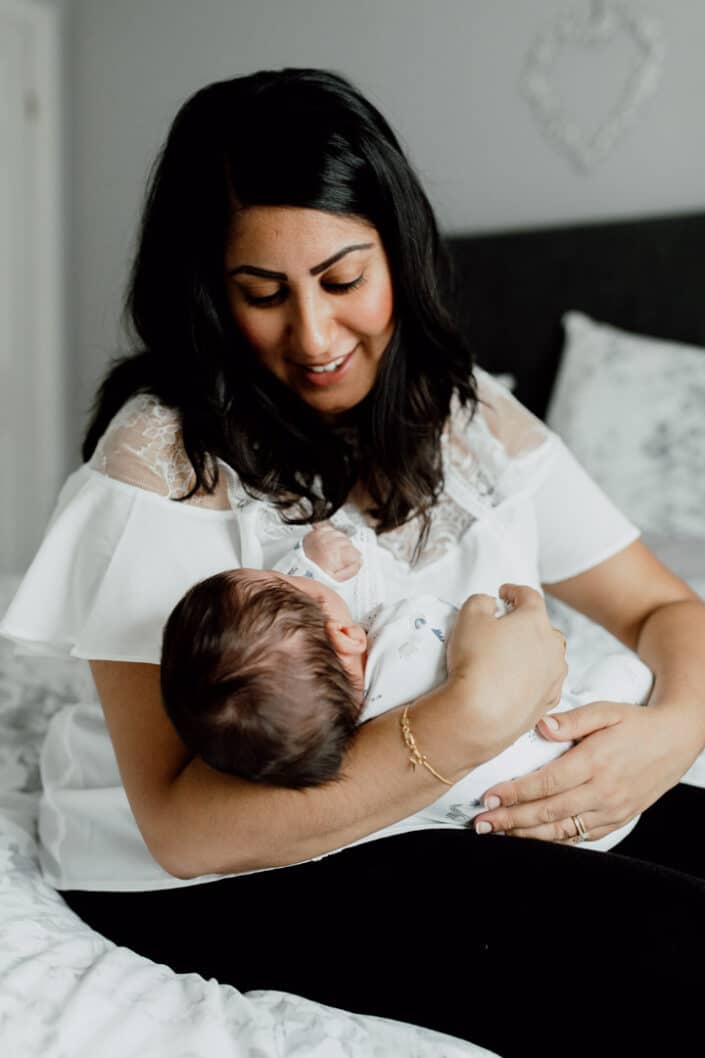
[(512, 667), (572, 769), (549, 819), (562, 638), (475, 622), (513, 802), (479, 603), (566, 832), (585, 781), (522, 596), (555, 818), (575, 724), (516, 594)]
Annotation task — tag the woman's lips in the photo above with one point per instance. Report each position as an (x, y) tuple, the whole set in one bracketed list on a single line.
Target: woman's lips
[(320, 379)]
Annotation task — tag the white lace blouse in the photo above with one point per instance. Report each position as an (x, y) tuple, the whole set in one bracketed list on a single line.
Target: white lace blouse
[(118, 554)]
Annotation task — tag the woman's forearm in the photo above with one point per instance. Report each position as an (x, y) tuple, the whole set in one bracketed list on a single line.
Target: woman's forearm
[(503, 676), (195, 820), (672, 643), (216, 823)]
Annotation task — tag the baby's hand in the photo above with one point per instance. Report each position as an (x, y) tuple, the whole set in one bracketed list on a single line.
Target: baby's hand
[(331, 549)]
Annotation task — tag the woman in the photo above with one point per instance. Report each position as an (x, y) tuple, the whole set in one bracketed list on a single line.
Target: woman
[(296, 361)]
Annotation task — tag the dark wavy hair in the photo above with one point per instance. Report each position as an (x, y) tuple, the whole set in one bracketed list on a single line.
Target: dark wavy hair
[(302, 138), (252, 683)]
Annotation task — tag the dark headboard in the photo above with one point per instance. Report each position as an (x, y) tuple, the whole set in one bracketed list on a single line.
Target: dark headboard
[(646, 276)]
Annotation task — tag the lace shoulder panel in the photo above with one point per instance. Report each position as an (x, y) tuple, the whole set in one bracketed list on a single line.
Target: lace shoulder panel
[(501, 427), (492, 450), (517, 430), (142, 446)]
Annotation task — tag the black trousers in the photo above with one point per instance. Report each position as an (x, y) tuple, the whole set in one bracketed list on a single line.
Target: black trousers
[(524, 947)]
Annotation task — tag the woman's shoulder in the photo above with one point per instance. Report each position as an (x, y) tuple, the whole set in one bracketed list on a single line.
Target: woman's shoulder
[(143, 447), (498, 427)]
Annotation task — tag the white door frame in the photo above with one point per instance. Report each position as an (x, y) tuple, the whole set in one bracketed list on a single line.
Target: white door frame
[(33, 429)]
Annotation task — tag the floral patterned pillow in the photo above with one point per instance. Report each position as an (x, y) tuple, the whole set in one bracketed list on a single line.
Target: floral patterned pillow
[(632, 409)]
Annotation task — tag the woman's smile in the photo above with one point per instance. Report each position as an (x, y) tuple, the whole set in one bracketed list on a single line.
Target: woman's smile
[(330, 373), (311, 292)]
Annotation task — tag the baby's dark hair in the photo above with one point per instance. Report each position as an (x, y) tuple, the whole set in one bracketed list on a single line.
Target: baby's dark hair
[(252, 683)]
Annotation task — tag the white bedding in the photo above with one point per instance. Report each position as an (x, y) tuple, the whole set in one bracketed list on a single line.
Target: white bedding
[(65, 992)]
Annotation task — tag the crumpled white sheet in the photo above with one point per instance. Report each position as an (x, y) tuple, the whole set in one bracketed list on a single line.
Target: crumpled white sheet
[(66, 992)]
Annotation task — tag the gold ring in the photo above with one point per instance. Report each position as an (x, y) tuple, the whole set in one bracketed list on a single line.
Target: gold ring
[(565, 641), (580, 829)]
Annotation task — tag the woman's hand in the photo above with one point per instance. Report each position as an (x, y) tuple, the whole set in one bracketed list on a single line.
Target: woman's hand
[(513, 666), (625, 757)]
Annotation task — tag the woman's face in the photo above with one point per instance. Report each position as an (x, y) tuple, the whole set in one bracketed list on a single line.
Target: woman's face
[(311, 293)]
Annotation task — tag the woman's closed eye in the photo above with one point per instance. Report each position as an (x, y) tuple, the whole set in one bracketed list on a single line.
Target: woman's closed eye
[(263, 300), (280, 295), (343, 288)]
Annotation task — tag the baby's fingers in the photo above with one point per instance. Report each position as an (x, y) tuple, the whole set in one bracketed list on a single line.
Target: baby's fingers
[(347, 572), (348, 563)]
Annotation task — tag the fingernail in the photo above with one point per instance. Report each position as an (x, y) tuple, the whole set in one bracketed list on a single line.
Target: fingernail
[(550, 721), (483, 827), (492, 802)]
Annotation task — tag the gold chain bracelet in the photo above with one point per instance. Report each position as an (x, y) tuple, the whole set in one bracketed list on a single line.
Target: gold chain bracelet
[(415, 754)]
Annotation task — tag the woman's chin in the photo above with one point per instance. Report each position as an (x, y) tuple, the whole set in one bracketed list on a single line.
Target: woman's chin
[(330, 405)]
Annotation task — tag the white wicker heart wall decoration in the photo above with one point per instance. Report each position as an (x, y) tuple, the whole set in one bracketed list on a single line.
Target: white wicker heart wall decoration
[(597, 25)]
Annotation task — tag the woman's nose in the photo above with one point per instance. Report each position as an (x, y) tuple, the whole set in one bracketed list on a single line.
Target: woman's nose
[(311, 327)]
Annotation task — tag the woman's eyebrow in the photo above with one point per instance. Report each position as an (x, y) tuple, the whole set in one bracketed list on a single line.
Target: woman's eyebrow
[(336, 257), (264, 273)]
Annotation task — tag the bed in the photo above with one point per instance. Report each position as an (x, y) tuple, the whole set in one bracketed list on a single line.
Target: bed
[(600, 330)]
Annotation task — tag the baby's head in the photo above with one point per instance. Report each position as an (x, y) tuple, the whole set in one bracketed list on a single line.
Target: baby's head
[(262, 675)]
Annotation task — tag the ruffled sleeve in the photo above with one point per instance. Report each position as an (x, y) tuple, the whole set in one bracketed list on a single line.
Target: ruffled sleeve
[(119, 550), (576, 524)]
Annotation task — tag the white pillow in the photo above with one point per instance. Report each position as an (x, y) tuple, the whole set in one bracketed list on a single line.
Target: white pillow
[(632, 409)]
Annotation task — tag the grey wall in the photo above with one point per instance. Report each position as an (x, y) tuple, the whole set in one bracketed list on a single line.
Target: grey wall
[(445, 73)]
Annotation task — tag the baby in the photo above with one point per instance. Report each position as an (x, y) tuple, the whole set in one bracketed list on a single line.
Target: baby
[(266, 674), (262, 671)]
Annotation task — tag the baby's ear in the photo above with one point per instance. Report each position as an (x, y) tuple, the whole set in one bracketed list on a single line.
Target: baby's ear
[(347, 639)]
